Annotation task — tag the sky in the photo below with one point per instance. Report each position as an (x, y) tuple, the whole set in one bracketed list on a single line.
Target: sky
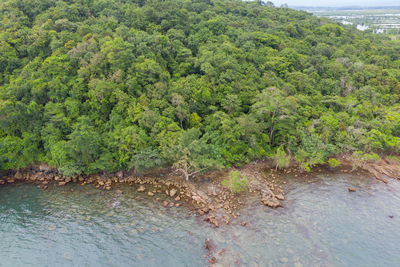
[(337, 3)]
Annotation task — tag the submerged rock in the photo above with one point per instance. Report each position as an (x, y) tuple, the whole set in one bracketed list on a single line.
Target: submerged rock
[(212, 260), (209, 245), (52, 227), (141, 188), (352, 189), (271, 202)]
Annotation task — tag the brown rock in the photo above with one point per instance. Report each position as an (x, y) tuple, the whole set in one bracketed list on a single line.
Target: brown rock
[(141, 188), (62, 183), (213, 260), (177, 198), (120, 174), (352, 189), (165, 203), (10, 181), (18, 176), (271, 202), (108, 187), (209, 245), (280, 196), (244, 223), (222, 251), (172, 192), (150, 194), (119, 192)]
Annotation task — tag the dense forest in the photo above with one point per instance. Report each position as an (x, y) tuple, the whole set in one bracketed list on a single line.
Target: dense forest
[(92, 86)]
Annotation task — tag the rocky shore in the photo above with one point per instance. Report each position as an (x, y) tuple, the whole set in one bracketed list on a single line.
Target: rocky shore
[(204, 194)]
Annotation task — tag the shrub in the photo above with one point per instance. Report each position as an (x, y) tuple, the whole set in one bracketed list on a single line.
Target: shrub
[(360, 159), (392, 159), (282, 160), (333, 163), (235, 182)]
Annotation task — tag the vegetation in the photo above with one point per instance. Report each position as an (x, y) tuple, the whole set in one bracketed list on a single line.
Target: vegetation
[(333, 163), (282, 160), (235, 182), (100, 86), (360, 159)]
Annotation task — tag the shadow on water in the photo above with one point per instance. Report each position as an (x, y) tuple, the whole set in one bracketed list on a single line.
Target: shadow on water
[(321, 223)]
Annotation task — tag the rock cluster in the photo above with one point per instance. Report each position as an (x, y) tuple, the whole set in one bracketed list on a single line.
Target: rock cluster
[(216, 203)]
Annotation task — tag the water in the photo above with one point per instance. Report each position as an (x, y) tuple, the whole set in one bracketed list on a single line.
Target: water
[(322, 224)]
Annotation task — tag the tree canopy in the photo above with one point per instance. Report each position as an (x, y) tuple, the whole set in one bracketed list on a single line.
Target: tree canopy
[(93, 85)]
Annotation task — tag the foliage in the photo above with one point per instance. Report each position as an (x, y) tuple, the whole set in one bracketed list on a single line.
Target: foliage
[(391, 158), (102, 86), (191, 154), (359, 158), (333, 163), (282, 160), (236, 183)]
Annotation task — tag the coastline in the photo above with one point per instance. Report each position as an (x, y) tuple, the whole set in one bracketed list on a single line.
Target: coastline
[(205, 194)]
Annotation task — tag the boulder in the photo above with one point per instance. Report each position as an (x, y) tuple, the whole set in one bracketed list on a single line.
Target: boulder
[(18, 176), (150, 194), (352, 189), (62, 183), (120, 174), (271, 202), (280, 196), (172, 192), (44, 168), (141, 188), (213, 260)]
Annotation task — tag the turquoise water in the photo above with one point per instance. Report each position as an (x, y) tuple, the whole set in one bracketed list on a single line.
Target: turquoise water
[(321, 224)]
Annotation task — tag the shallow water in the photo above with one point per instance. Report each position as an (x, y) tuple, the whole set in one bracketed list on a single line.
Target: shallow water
[(322, 224)]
